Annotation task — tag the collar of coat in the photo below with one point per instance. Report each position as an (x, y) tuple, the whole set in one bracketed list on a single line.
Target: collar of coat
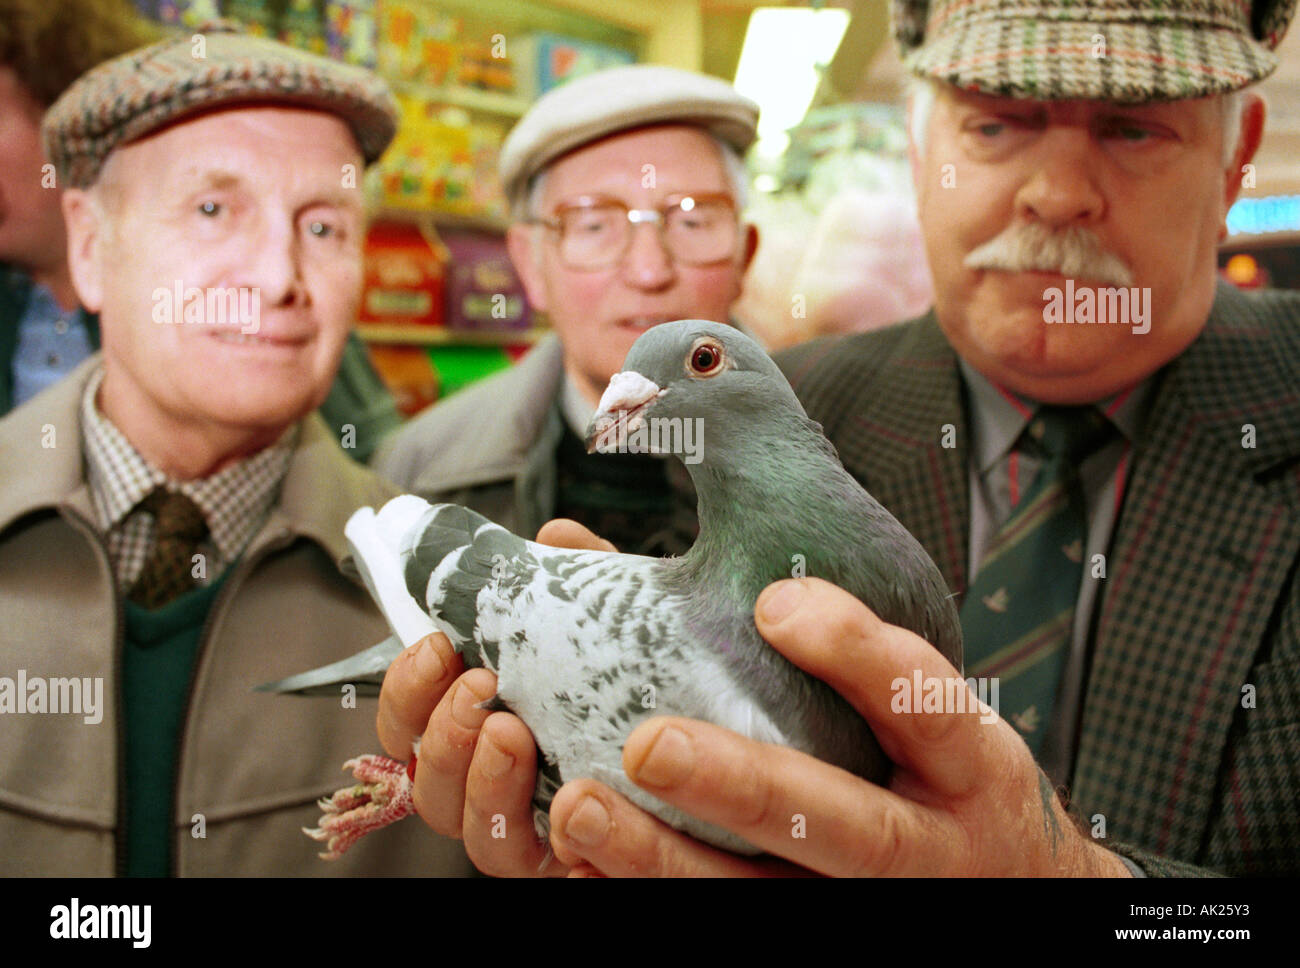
[(44, 469), (483, 434)]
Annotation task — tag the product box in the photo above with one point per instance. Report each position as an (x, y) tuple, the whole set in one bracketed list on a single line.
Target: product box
[(405, 272), (417, 43), (409, 374), (351, 31), (442, 160), (544, 61), (483, 291)]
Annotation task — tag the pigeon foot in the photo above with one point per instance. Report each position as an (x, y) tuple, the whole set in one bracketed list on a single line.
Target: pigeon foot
[(382, 797)]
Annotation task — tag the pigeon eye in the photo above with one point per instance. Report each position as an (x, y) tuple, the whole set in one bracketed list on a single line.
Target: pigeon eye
[(706, 358)]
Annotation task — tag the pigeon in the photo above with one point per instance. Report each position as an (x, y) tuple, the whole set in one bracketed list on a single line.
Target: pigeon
[(586, 645)]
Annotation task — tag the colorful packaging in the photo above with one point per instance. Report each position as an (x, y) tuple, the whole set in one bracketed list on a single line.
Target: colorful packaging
[(544, 61), (409, 373), (444, 161), (417, 43), (351, 31), (404, 276), (483, 290)]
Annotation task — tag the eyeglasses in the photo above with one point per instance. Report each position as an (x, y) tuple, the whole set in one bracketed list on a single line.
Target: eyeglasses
[(595, 233)]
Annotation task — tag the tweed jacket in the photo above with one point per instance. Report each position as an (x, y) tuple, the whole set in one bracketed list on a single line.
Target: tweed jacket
[(250, 765), (491, 447), (1189, 740)]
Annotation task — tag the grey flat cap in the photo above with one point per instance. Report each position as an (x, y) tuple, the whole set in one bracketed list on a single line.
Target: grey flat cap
[(133, 95)]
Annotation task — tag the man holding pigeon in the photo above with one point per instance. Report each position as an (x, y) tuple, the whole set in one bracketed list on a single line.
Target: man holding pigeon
[(1095, 442)]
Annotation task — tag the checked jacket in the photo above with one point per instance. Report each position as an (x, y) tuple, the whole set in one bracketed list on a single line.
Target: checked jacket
[(1189, 732)]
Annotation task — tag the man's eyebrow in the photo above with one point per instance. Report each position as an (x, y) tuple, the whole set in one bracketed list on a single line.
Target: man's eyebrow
[(342, 198), (218, 179)]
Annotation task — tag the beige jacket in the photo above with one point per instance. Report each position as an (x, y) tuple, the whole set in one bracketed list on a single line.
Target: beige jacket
[(251, 765)]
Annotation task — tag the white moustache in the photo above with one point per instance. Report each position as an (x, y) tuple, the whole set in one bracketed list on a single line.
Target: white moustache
[(1074, 252)]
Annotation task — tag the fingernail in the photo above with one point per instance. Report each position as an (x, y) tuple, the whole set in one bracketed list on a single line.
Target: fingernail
[(493, 762), (589, 825), (780, 599), (668, 762), (428, 662), (463, 707)]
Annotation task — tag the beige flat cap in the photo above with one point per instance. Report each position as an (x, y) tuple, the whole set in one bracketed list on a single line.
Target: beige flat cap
[(618, 99)]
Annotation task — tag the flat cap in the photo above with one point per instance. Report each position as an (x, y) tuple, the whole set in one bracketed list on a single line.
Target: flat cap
[(1126, 51), (133, 95), (618, 99)]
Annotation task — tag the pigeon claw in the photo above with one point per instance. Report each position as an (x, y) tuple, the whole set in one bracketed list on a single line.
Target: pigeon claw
[(382, 797)]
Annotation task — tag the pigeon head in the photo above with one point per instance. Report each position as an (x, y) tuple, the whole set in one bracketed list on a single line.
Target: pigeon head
[(686, 383)]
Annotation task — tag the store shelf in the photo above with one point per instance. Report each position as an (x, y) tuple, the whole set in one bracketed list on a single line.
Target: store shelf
[(471, 99), (441, 336), (446, 220)]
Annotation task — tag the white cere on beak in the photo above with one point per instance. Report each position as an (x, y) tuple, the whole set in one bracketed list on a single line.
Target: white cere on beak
[(627, 391)]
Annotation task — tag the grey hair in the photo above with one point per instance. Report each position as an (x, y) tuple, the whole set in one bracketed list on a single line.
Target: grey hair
[(920, 99), (732, 163), (921, 92), (1234, 105)]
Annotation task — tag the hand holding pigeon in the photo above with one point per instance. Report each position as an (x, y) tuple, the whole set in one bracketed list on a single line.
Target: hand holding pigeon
[(586, 645)]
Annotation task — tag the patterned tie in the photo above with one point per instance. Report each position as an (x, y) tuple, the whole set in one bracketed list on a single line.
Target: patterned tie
[(178, 528), (1018, 613)]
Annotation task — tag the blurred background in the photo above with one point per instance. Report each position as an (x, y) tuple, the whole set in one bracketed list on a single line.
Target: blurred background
[(831, 193)]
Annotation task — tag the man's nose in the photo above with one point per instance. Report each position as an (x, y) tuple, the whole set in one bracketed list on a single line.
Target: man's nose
[(1061, 188), (274, 262), (647, 263)]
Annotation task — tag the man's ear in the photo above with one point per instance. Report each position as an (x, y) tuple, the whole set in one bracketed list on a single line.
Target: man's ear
[(1253, 113), (913, 152), (84, 221), (526, 255), (750, 247)]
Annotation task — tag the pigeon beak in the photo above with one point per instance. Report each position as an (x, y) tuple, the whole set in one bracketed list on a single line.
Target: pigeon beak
[(621, 411)]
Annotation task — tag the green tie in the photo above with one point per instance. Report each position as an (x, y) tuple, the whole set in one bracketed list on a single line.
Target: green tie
[(1018, 613), (178, 528)]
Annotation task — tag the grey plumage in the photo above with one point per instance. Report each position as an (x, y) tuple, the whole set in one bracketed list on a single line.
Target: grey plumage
[(586, 645)]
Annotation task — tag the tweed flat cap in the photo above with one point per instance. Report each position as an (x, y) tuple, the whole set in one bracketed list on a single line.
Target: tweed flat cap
[(130, 96), (1127, 51), (618, 99)]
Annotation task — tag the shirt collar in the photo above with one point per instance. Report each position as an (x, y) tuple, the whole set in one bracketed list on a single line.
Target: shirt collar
[(998, 416), (234, 501), (574, 407)]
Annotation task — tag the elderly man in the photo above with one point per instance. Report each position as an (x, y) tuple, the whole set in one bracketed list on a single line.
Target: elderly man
[(44, 333), (171, 514), (626, 189), (1113, 500)]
